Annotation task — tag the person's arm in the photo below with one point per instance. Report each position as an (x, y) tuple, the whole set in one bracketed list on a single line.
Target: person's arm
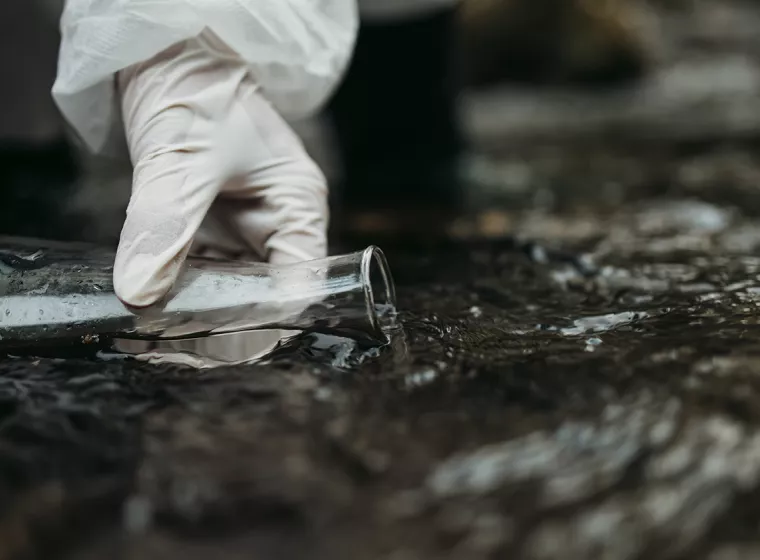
[(201, 91)]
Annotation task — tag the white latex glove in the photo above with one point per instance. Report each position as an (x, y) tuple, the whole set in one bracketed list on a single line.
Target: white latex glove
[(203, 141)]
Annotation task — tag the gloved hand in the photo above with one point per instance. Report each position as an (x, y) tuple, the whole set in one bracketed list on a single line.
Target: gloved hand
[(208, 148)]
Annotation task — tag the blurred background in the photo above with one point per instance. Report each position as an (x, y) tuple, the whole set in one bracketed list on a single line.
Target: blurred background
[(559, 102)]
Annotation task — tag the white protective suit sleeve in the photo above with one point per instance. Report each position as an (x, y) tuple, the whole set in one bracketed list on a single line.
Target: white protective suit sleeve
[(397, 10), (297, 50)]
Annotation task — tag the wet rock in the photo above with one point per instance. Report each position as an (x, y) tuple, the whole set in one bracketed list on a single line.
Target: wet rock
[(577, 460), (739, 551), (682, 217)]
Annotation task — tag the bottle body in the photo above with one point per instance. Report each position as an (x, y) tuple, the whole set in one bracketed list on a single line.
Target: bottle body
[(54, 291)]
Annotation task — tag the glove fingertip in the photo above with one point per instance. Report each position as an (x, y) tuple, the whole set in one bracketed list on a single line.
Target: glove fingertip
[(142, 282)]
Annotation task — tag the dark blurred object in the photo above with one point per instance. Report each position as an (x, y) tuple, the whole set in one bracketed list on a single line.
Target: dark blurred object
[(36, 183), (582, 42), (29, 40), (406, 165), (395, 118), (38, 166)]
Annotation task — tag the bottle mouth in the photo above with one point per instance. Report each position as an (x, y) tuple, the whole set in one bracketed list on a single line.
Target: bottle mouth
[(379, 291)]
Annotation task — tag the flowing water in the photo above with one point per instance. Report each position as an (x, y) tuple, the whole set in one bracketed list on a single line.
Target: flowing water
[(592, 392)]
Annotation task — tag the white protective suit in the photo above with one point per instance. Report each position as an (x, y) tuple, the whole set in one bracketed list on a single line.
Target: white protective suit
[(296, 49)]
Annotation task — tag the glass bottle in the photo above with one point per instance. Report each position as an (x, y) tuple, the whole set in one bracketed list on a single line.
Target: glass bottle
[(52, 291)]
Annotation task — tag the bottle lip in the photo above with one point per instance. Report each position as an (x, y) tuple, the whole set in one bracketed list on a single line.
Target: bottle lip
[(379, 290)]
